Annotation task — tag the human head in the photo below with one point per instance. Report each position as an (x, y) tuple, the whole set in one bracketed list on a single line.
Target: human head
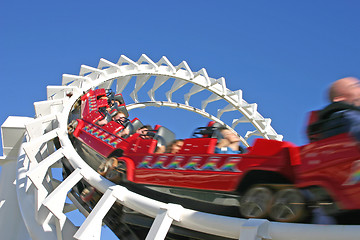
[(113, 104), (175, 146), (143, 130), (119, 117), (229, 135), (345, 90)]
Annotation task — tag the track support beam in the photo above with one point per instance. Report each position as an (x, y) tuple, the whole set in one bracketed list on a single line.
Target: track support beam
[(255, 229), (163, 221)]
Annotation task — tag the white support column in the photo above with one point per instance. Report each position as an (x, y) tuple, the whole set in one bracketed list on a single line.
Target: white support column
[(228, 108), (255, 229), (91, 228), (140, 81), (163, 221), (105, 63), (159, 80), (55, 201), (37, 127), (149, 62), (187, 71), (12, 225), (194, 89), (176, 86), (37, 175), (32, 148), (164, 61), (213, 97)]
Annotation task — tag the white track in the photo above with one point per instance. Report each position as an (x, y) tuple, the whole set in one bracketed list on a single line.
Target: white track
[(41, 198)]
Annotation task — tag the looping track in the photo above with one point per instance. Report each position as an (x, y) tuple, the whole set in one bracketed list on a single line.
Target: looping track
[(42, 198)]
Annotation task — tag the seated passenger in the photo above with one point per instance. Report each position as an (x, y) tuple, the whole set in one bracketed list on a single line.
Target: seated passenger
[(119, 117), (113, 104), (106, 117), (229, 144), (175, 146), (144, 131), (344, 95)]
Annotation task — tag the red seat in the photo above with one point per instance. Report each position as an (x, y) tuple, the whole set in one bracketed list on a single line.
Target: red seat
[(313, 118), (113, 127)]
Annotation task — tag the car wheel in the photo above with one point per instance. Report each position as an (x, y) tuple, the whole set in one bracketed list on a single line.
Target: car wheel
[(288, 206), (256, 202)]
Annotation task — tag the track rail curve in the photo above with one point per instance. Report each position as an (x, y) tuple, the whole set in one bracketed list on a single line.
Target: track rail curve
[(42, 198)]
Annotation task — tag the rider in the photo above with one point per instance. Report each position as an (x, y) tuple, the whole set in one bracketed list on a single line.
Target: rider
[(343, 114), (175, 146), (229, 144), (144, 131), (120, 117)]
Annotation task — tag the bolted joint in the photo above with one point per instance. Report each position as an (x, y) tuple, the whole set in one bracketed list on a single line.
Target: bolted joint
[(255, 229), (174, 211)]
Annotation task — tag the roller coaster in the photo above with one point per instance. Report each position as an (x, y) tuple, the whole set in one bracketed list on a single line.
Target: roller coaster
[(194, 194)]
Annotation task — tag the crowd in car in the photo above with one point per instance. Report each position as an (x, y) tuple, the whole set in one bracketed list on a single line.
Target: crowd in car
[(228, 141)]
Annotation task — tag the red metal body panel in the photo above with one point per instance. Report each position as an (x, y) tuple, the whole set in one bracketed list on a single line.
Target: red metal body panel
[(195, 166), (113, 127), (198, 145), (90, 101), (99, 140), (331, 163), (220, 172), (200, 170)]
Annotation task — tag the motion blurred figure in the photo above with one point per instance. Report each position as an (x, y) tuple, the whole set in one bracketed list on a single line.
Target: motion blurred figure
[(344, 95), (175, 146), (144, 130), (229, 144), (119, 117)]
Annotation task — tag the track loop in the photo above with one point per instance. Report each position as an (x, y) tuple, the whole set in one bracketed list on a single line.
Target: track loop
[(48, 142)]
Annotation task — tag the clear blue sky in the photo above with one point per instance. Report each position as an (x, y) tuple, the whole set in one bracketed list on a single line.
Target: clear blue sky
[(282, 54)]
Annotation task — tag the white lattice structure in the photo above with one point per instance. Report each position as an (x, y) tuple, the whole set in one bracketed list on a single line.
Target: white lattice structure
[(32, 203)]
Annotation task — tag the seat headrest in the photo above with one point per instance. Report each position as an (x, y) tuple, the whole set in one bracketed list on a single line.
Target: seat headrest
[(165, 134)]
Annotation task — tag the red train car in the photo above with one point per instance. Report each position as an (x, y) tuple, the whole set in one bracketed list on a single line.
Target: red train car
[(272, 179)]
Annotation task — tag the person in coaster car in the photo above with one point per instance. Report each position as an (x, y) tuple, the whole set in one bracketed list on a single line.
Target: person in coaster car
[(229, 143), (144, 131), (174, 146), (120, 117), (344, 95)]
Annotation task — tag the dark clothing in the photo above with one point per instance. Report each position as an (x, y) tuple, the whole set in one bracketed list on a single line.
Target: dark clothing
[(336, 107), (353, 117), (336, 118)]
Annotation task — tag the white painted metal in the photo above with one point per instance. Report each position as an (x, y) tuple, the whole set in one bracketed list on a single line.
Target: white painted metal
[(12, 225), (255, 229), (41, 199), (163, 221), (91, 228), (40, 222)]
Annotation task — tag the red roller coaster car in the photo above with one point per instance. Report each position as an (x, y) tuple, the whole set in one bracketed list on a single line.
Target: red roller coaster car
[(272, 179)]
